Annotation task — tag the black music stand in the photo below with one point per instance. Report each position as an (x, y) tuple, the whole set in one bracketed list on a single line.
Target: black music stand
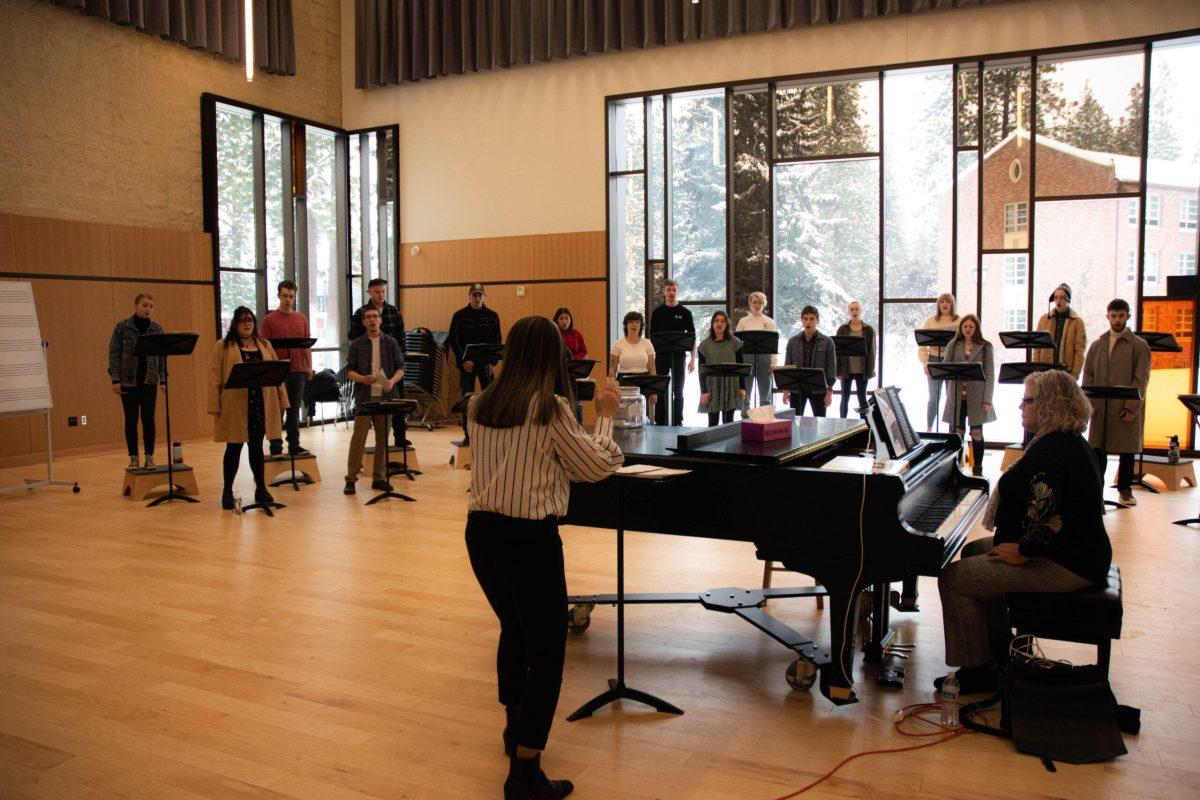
[(934, 337), (1027, 340), (648, 384), (165, 345), (1018, 371), (295, 343), (617, 690), (758, 343), (579, 369), (800, 380), (1192, 403), (387, 409), (669, 343), (851, 346), (731, 370), (1107, 393), (585, 389), (461, 408), (957, 371), (483, 355), (258, 375), (1159, 342)]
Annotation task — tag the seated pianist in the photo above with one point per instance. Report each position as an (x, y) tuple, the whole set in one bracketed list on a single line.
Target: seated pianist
[(1050, 537)]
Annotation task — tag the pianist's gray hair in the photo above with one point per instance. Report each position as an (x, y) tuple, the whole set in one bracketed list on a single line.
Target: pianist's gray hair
[(1062, 406)]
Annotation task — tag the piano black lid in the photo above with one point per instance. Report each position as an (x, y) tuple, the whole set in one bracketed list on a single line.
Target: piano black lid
[(662, 444)]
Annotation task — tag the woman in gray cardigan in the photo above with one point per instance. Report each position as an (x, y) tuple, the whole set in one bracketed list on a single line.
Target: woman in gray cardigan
[(971, 401), (856, 369)]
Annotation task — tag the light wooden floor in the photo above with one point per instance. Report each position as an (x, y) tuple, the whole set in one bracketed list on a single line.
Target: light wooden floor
[(339, 651)]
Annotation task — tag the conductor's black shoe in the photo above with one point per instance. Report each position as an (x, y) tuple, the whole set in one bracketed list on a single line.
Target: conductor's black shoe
[(227, 500), (263, 496), (526, 781), (381, 486), (974, 680), (349, 488)]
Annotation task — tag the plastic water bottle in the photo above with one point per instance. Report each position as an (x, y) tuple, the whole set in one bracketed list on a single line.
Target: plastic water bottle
[(949, 700), (177, 452), (1173, 450), (237, 509)]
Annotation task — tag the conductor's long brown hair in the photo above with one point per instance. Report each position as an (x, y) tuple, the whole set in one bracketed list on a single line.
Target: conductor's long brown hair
[(535, 370)]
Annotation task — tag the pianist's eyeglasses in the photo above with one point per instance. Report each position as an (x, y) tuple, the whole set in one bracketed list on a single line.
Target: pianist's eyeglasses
[(1027, 400)]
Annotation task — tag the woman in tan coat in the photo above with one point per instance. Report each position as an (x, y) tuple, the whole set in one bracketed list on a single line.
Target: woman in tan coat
[(243, 416), (1066, 328)]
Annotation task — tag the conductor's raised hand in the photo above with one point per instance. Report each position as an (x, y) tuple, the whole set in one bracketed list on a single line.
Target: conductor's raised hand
[(608, 398)]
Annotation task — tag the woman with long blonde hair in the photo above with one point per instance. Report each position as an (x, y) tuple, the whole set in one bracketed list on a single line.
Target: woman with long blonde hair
[(971, 401), (945, 316)]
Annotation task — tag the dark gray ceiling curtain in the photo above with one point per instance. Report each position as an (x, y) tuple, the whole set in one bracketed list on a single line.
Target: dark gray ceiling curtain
[(405, 41), (211, 25)]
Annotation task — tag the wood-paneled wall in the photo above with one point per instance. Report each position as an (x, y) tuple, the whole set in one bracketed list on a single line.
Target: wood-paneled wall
[(554, 270), (85, 276)]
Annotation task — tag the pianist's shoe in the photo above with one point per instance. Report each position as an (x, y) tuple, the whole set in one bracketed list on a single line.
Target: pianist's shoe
[(975, 680), (526, 781)]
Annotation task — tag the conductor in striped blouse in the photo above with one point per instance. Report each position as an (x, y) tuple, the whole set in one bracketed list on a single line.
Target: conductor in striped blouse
[(527, 448)]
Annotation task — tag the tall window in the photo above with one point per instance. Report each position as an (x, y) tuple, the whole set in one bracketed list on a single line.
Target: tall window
[(282, 212), (1188, 213), (996, 179)]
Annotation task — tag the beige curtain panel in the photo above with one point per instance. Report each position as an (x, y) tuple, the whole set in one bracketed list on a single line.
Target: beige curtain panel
[(215, 26), (405, 41)]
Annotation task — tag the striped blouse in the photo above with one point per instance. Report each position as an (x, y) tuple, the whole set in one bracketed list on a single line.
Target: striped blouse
[(526, 471)]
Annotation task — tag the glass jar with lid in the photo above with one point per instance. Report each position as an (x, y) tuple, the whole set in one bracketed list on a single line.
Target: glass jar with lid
[(631, 413)]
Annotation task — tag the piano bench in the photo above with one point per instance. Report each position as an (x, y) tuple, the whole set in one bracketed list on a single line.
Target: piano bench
[(1090, 616)]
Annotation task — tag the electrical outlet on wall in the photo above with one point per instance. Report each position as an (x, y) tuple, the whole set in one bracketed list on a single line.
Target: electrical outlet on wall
[(520, 291), (83, 420)]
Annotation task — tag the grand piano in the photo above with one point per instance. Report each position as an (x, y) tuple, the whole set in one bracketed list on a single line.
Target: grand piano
[(846, 524)]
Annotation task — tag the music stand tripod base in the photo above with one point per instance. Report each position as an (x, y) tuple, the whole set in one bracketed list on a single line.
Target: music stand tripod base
[(387, 409)]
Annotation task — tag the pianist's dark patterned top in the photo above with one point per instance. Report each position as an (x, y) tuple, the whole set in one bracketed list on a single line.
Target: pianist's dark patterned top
[(1050, 505)]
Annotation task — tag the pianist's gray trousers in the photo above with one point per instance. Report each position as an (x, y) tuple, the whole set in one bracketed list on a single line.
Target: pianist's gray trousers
[(974, 614)]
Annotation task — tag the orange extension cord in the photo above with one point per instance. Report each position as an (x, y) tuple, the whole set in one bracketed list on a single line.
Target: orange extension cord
[(916, 712)]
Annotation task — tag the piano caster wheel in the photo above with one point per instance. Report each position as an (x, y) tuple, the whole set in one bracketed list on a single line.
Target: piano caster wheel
[(580, 617), (801, 674)]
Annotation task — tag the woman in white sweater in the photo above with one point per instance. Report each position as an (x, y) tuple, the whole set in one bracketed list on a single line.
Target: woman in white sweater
[(760, 365)]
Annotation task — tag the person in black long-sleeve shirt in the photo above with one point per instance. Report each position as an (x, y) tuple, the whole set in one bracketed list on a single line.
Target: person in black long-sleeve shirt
[(1050, 534), (473, 324), (670, 317)]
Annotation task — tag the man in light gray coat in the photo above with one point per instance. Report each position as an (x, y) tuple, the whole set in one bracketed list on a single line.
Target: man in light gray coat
[(1118, 358)]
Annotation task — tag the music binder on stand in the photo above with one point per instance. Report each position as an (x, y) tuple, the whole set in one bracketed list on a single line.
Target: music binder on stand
[(165, 345), (729, 370), (258, 375), (758, 343), (386, 409), (957, 371), (487, 354), (1192, 403), (585, 389), (1107, 393), (292, 343)]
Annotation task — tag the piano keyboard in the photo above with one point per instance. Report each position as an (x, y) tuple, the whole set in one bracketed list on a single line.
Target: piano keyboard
[(941, 513)]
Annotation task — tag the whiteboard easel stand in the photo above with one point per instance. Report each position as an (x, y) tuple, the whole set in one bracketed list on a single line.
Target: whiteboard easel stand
[(34, 483)]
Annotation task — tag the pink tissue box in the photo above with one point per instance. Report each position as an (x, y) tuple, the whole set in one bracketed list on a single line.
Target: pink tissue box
[(755, 431)]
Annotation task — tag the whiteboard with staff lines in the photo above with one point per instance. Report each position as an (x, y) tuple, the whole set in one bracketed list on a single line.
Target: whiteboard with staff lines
[(24, 382)]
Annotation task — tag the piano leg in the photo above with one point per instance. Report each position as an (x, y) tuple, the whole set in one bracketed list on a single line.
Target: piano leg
[(844, 583), (881, 632), (907, 599)]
